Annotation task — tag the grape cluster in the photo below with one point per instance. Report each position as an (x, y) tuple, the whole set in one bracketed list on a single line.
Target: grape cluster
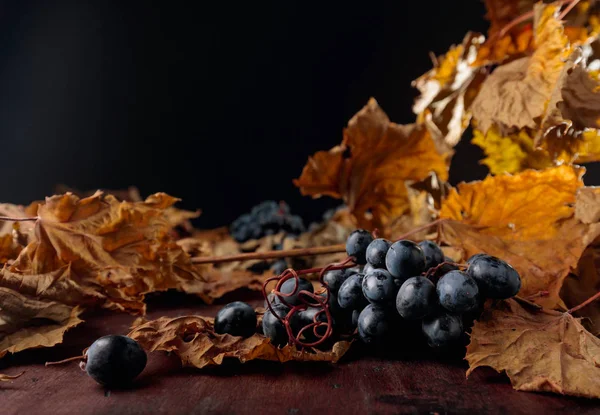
[(406, 281), (394, 285), (266, 218)]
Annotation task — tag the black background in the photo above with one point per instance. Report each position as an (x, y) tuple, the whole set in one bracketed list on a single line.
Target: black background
[(219, 103)]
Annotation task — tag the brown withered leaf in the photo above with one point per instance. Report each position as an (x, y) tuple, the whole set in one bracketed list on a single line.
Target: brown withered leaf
[(193, 339), (516, 94), (447, 92), (370, 168), (584, 282), (540, 350), (120, 249), (27, 322), (528, 220), (7, 378)]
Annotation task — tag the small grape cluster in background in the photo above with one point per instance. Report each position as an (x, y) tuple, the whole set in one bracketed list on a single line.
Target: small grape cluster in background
[(389, 283), (266, 218)]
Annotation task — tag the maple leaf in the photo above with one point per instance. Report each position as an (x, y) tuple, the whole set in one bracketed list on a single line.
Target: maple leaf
[(540, 350), (526, 219), (516, 93), (193, 339), (370, 168), (447, 92), (27, 322), (120, 249)]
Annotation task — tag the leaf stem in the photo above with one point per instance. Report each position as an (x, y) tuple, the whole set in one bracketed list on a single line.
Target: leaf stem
[(585, 303), (9, 219)]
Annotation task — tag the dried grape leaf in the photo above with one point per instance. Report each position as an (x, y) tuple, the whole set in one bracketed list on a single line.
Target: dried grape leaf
[(120, 249), (447, 92), (193, 339), (370, 168), (27, 322), (516, 94), (528, 220), (540, 350)]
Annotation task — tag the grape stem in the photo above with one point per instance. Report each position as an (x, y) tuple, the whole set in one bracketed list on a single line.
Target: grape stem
[(585, 303), (9, 219), (313, 251), (70, 359)]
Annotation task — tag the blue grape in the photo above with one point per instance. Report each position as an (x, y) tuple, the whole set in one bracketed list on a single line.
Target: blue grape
[(334, 279), (274, 329), (433, 254), (457, 292), (237, 319), (442, 330), (115, 360), (405, 259), (289, 287), (417, 298), (279, 266), (376, 252), (368, 268), (350, 295), (379, 287), (373, 324), (356, 245), (307, 317), (495, 277)]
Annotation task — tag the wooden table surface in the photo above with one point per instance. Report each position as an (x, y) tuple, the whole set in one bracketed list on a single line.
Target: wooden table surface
[(359, 384)]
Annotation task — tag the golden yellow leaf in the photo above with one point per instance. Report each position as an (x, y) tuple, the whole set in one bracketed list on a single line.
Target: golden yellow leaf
[(370, 168), (193, 339), (447, 92), (516, 94), (27, 322), (120, 249), (540, 350), (510, 153), (526, 219)]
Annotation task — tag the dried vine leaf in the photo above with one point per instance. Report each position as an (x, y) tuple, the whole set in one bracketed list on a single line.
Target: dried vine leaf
[(447, 92), (541, 351), (526, 219), (192, 339), (7, 378), (120, 249), (370, 168), (27, 323), (516, 94)]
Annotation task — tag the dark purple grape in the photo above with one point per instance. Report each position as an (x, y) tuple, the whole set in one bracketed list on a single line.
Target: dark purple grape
[(442, 330), (405, 259), (376, 252), (237, 319), (496, 278), (379, 287), (457, 292), (350, 295), (433, 254), (373, 324), (334, 279), (274, 329), (289, 287), (356, 245), (115, 360), (417, 298)]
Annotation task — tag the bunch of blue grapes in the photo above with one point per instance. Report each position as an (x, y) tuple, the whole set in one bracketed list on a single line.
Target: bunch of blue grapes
[(406, 281), (266, 218)]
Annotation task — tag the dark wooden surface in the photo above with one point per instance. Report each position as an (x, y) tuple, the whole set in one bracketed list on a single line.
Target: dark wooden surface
[(360, 384)]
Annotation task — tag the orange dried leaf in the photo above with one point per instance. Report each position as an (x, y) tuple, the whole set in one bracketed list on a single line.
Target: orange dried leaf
[(27, 322), (120, 249), (526, 219), (370, 168), (7, 378), (193, 339), (540, 351)]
